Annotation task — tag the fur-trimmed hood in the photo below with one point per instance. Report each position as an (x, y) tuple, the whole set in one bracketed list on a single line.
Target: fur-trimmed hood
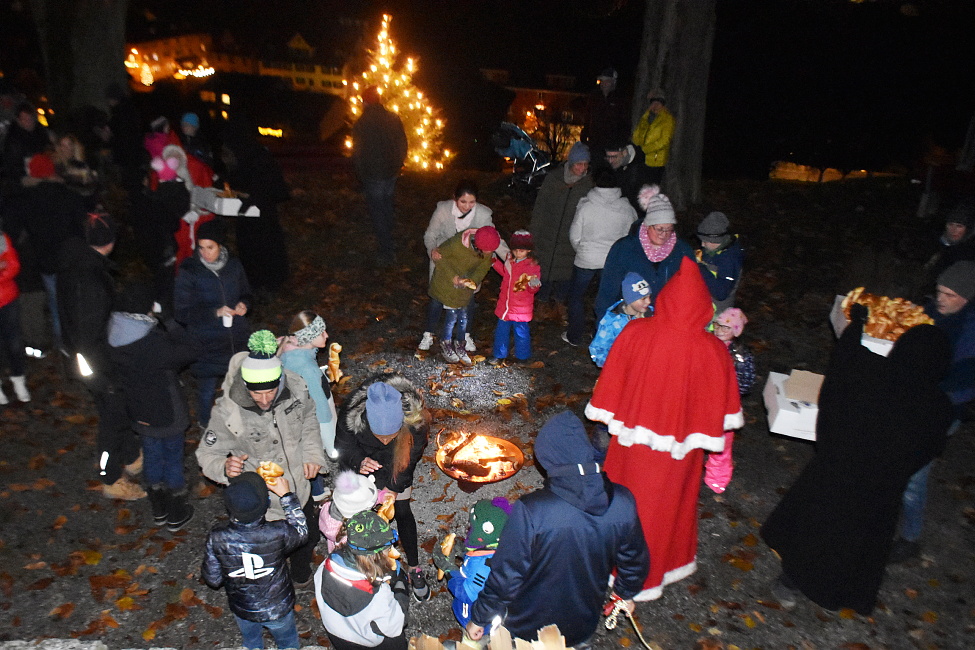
[(354, 409)]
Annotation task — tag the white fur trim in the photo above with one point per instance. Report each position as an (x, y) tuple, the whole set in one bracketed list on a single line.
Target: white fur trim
[(672, 576), (734, 421), (629, 436)]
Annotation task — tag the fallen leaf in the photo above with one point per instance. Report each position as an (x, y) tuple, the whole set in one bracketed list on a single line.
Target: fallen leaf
[(750, 540), (448, 518), (929, 617), (76, 419), (911, 593), (148, 634), (37, 462), (847, 613), (59, 522), (749, 621), (35, 565), (62, 611), (43, 583), (91, 557), (127, 603)]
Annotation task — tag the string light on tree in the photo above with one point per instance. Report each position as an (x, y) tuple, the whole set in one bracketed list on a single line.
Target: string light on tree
[(392, 74)]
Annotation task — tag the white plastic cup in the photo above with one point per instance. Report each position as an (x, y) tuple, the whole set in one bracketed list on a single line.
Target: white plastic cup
[(228, 321)]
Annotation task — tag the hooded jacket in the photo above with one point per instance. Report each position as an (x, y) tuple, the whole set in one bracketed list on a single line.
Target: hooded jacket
[(653, 135), (460, 258), (250, 562), (517, 306), (86, 290), (602, 217), (562, 542), (355, 441)]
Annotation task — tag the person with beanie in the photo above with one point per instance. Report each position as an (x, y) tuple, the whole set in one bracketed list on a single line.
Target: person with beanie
[(10, 332), (464, 260), (635, 303), (720, 259), (193, 143), (652, 250), (86, 292), (601, 218), (521, 278), (607, 116), (147, 355), (352, 493), (379, 150), (362, 590), (266, 414), (450, 218), (246, 556), (955, 244), (382, 431), (653, 134), (552, 214), (626, 160), (953, 313), (561, 544), (212, 297)]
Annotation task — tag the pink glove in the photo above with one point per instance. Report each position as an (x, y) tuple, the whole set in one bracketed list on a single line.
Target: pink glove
[(719, 466)]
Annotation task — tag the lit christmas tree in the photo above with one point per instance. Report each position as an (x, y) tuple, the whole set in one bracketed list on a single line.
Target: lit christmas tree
[(393, 77)]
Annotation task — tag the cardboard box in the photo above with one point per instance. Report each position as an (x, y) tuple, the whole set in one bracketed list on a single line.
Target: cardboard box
[(793, 418), (838, 319), (206, 198)]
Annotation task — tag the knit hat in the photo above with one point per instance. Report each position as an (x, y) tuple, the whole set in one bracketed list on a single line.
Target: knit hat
[(384, 409), (310, 332), (960, 278), (521, 239), (634, 287), (99, 229), (159, 125), (353, 493), (213, 230), (368, 533), (657, 95), (577, 154), (371, 95), (487, 239), (190, 118), (733, 318), (963, 213), (246, 497), (714, 228), (261, 370), (657, 206), (41, 166), (488, 517)]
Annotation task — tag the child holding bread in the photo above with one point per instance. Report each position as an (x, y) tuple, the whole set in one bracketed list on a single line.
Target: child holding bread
[(521, 277)]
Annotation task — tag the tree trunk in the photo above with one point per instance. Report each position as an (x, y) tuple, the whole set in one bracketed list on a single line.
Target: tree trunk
[(676, 57)]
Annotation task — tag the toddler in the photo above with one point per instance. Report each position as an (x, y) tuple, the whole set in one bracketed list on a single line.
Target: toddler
[(634, 304), (520, 279), (352, 493)]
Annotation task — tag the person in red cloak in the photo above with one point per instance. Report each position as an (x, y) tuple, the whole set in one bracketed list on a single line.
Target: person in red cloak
[(668, 392)]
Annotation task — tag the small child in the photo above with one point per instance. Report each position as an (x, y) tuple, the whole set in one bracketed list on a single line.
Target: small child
[(247, 558), (635, 304), (361, 589), (728, 326), (487, 519), (352, 493), (521, 277), (464, 261)]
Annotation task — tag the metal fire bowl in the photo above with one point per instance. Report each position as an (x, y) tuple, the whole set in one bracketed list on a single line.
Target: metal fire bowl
[(510, 449)]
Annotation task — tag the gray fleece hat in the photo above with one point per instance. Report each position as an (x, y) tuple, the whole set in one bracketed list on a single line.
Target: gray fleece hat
[(960, 278), (714, 229)]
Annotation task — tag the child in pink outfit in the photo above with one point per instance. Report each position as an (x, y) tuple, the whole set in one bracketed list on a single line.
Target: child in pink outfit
[(352, 493), (728, 326), (521, 277)]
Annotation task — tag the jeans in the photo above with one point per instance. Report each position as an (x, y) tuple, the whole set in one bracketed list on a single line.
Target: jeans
[(284, 631), (581, 279), (206, 389), (163, 461), (51, 288), (454, 317), (523, 341), (916, 497), (10, 337), (379, 204), (435, 309)]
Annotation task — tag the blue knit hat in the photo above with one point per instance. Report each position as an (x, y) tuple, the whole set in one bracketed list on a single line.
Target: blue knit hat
[(634, 287), (384, 409), (191, 118), (246, 497), (577, 154)]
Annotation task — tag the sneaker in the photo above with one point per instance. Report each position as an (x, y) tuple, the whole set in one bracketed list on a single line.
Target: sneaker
[(565, 337), (469, 343), (786, 596), (123, 489), (447, 350), (494, 361), (902, 550), (20, 388), (4, 400), (426, 342), (421, 590), (461, 353)]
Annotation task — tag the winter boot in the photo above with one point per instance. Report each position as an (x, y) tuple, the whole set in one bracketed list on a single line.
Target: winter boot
[(179, 511), (124, 488), (460, 350), (159, 501), (20, 388), (448, 351)]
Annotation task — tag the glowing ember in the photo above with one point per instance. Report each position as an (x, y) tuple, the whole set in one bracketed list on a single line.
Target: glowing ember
[(478, 459)]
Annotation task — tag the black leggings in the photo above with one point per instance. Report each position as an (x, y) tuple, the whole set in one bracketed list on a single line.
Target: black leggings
[(301, 558), (406, 525)]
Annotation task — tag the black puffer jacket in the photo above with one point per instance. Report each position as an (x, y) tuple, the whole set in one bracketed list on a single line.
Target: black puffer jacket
[(248, 560), (355, 441)]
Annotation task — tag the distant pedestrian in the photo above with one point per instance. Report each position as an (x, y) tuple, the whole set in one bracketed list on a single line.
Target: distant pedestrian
[(521, 278), (607, 117), (653, 134), (626, 160)]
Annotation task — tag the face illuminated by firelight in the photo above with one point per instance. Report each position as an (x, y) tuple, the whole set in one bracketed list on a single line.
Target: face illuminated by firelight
[(466, 202)]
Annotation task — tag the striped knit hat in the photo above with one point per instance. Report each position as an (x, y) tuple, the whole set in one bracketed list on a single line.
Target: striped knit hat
[(658, 208), (261, 370)]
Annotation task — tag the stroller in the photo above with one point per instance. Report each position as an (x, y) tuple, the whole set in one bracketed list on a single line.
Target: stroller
[(530, 164)]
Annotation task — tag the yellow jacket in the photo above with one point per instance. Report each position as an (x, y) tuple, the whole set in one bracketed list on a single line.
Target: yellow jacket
[(653, 136)]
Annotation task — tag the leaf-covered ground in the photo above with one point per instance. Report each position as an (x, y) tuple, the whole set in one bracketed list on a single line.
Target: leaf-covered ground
[(75, 565)]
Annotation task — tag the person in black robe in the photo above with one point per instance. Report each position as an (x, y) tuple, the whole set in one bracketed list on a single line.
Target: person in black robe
[(880, 420)]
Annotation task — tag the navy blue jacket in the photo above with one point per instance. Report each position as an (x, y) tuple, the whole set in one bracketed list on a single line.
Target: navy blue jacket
[(627, 255), (721, 270)]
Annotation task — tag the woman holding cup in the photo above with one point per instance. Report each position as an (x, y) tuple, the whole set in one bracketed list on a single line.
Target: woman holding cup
[(212, 297)]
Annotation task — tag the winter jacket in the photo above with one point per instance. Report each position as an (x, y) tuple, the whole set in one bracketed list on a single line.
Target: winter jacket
[(86, 290), (9, 268), (378, 144), (304, 362), (602, 217), (467, 582), (959, 384), (356, 610), (443, 226), (653, 135), (287, 433), (551, 219), (355, 441), (721, 270), (146, 359), (744, 366), (198, 294), (517, 306), (607, 120), (458, 257), (52, 215), (610, 326), (627, 255), (249, 561), (632, 175)]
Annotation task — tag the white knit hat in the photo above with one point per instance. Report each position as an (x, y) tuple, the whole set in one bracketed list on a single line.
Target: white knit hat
[(657, 205), (353, 493)]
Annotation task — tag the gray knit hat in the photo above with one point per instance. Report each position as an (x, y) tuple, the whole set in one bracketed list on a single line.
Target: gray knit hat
[(657, 205), (960, 278), (714, 229)]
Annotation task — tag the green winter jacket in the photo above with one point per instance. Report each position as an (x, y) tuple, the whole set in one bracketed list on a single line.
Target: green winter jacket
[(458, 257)]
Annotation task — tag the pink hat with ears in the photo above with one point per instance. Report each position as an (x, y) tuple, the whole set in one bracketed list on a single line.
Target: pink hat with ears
[(166, 168), (733, 318)]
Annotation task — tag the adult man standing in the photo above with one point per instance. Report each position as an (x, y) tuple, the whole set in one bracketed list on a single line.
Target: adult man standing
[(25, 138), (378, 152), (561, 544), (606, 118), (629, 168), (266, 414), (653, 134)]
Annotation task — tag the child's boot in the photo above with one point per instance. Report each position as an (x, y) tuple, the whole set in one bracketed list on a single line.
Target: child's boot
[(179, 511), (159, 502), (20, 388)]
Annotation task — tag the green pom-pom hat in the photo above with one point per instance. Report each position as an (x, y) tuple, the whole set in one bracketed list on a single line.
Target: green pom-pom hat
[(261, 370)]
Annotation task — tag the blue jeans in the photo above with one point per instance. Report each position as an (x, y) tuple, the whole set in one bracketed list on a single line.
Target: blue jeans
[(454, 317), (284, 631), (916, 497), (581, 279), (51, 288), (162, 459), (435, 309), (379, 204), (206, 390), (523, 341)]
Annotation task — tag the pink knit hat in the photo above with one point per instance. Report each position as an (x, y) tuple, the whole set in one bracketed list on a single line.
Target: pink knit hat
[(733, 318)]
